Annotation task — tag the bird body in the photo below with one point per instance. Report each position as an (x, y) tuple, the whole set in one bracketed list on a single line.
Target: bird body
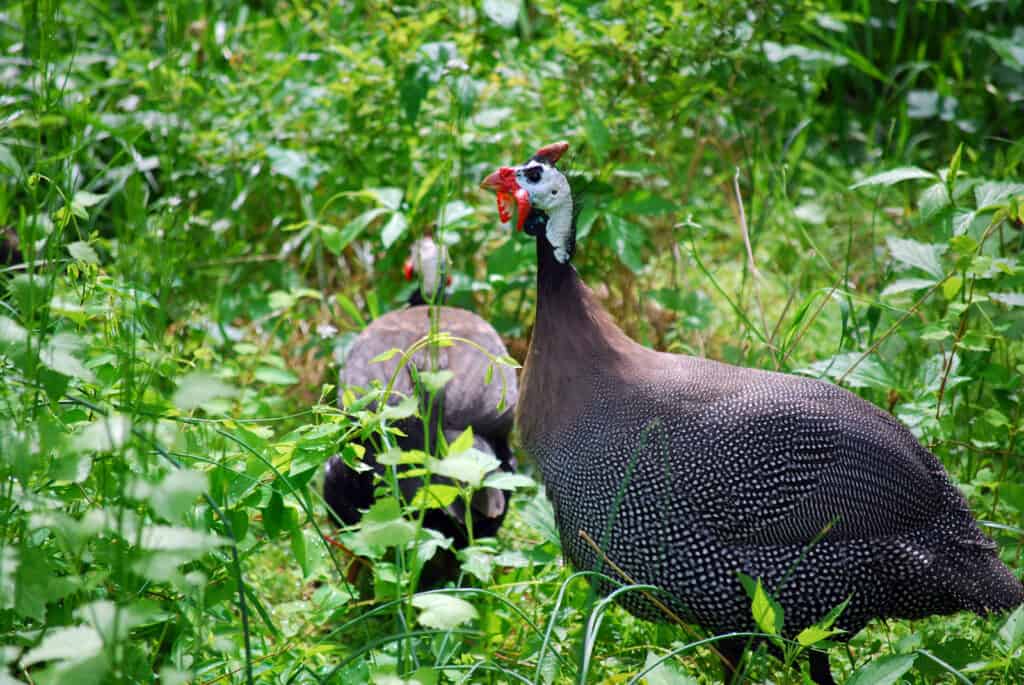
[(688, 472), (466, 401)]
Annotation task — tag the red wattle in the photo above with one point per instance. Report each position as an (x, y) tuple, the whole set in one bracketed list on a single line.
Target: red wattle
[(523, 203)]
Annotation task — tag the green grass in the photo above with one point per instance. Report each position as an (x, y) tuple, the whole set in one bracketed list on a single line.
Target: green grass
[(211, 198)]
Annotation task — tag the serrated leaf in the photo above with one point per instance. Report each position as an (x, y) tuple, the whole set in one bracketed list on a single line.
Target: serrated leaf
[(912, 254), (442, 611), (177, 494), (198, 388), (384, 526), (888, 178), (884, 670), (58, 353), (933, 199)]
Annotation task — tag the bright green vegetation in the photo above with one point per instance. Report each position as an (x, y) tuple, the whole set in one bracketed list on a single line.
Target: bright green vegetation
[(202, 190)]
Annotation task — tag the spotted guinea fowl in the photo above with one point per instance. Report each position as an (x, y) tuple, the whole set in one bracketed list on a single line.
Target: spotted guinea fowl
[(466, 401), (688, 472)]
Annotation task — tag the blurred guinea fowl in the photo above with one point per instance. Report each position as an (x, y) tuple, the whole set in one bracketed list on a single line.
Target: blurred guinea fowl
[(689, 472), (466, 401)]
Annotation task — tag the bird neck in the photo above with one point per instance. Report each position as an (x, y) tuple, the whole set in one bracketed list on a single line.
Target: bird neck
[(574, 340), (416, 297)]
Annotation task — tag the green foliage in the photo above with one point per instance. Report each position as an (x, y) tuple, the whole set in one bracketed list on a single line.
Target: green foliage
[(201, 203)]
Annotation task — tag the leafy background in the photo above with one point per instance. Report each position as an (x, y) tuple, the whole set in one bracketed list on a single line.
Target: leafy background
[(203, 202)]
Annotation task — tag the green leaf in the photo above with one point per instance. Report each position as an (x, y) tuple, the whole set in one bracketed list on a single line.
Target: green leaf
[(504, 13), (389, 198), (1009, 299), (434, 496), (394, 229), (73, 643), (442, 611), (336, 242), (177, 494), (434, 381), (168, 538), (8, 162), (83, 252), (105, 435), (912, 254), (907, 284), (867, 374), (198, 388), (1011, 635), (884, 670), (272, 375), (666, 672), (273, 515), (384, 526), (503, 480), (468, 466), (813, 634), (463, 442), (767, 612), (11, 331), (403, 410), (597, 135), (83, 198), (58, 353), (888, 178), (952, 286), (386, 355)]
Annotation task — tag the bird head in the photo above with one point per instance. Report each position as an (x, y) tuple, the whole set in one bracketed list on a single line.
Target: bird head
[(538, 185), (427, 259)]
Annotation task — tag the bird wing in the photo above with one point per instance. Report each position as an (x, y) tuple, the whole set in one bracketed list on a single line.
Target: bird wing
[(781, 459), (467, 400)]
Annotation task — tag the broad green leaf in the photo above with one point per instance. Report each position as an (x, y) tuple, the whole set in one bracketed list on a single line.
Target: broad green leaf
[(177, 494), (463, 442), (8, 568), (403, 410), (198, 388), (454, 212), (386, 355), (336, 242), (767, 612), (913, 254), (995, 193), (478, 561), (665, 673), (469, 466), (11, 331), (58, 353), (502, 480), (275, 376), (69, 643), (951, 286), (434, 381), (441, 611), (394, 229), (84, 198), (179, 538), (888, 178), (934, 198), (1011, 635), (389, 198), (105, 435), (83, 252), (434, 496), (384, 526), (504, 13), (1009, 299), (814, 634), (907, 284), (885, 670)]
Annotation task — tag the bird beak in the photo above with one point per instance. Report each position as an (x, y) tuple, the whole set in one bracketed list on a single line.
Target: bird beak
[(407, 269), (503, 183)]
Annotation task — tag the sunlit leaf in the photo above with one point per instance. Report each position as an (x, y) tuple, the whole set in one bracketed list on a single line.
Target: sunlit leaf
[(72, 643), (198, 388), (885, 670), (912, 254), (441, 611), (665, 672), (888, 178)]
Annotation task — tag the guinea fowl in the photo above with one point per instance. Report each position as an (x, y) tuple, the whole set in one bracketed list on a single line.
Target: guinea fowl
[(689, 472), (466, 401)]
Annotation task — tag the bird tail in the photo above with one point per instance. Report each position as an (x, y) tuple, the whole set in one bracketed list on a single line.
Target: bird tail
[(981, 582)]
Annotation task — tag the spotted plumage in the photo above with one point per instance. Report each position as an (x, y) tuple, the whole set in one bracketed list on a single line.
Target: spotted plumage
[(688, 472)]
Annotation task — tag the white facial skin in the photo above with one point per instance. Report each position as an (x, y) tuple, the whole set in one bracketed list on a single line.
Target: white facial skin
[(427, 257), (549, 191)]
